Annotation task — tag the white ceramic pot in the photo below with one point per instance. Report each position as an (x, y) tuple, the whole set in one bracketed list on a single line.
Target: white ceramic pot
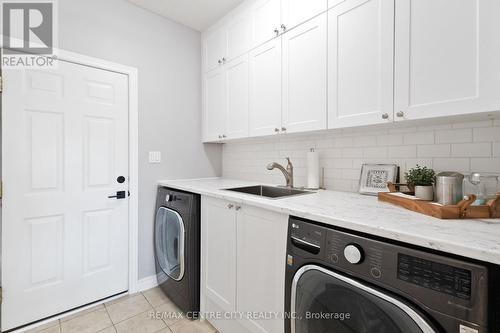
[(424, 192)]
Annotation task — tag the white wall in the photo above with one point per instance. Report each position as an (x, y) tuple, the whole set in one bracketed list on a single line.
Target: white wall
[(463, 146), (168, 58)]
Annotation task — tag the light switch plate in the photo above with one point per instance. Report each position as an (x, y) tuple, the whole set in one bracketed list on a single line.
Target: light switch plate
[(155, 157)]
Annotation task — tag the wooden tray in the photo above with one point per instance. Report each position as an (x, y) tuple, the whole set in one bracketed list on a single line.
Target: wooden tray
[(462, 210)]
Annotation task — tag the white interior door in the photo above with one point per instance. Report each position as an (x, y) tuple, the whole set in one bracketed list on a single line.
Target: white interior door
[(65, 143)]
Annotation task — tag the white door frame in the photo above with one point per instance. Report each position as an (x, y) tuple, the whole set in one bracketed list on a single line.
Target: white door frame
[(133, 118)]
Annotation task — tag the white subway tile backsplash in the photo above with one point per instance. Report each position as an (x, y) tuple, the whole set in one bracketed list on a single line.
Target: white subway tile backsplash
[(402, 151), (364, 141), (442, 150), (452, 164), (474, 124), (454, 136), (390, 140), (496, 149), (342, 142), (463, 147), (375, 152), (471, 149), (490, 165), (418, 138), (486, 134), (352, 152)]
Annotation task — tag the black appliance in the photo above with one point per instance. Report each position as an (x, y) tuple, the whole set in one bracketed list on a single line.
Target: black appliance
[(177, 248), (340, 282)]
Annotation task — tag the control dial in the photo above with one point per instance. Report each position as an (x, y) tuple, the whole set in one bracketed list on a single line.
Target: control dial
[(353, 254)]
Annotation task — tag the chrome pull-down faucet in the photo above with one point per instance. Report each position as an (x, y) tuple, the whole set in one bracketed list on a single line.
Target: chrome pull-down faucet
[(288, 172)]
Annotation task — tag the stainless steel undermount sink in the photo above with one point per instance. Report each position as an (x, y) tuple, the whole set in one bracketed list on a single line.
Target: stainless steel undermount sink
[(269, 191)]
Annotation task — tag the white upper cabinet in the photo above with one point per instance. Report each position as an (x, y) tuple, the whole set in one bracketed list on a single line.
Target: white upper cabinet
[(237, 103), (239, 35), (360, 63), (214, 104), (333, 3), (265, 88), (214, 49), (295, 12), (447, 57), (304, 76), (266, 20)]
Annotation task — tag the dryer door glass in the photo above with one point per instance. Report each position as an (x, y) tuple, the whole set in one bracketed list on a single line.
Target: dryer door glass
[(327, 302), (169, 242)]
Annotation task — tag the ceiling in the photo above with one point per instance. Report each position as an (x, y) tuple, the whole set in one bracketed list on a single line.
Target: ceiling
[(197, 14)]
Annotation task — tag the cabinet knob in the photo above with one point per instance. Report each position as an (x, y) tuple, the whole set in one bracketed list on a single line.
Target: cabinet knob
[(224, 136), (224, 60), (385, 116), (230, 206), (219, 61), (283, 27), (400, 114), (283, 129), (276, 31), (237, 207), (276, 130)]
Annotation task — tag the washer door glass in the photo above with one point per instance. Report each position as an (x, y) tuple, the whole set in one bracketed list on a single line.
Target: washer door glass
[(326, 302), (169, 242)]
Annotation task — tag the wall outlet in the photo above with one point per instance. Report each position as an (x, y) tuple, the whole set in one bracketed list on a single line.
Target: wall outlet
[(155, 157)]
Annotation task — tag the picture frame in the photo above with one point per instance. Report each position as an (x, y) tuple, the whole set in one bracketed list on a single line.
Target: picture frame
[(374, 178)]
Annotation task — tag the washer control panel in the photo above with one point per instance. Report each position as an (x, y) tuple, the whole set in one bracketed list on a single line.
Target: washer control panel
[(353, 254)]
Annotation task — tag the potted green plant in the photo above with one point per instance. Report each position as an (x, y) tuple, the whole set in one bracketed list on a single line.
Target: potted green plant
[(422, 179)]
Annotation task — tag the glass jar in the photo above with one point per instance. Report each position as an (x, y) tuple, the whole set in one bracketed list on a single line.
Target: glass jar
[(484, 187)]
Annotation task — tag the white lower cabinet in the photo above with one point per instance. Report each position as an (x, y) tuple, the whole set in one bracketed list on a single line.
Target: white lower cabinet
[(243, 265)]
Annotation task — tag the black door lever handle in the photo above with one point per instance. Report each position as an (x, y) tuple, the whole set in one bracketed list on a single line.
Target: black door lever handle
[(119, 195)]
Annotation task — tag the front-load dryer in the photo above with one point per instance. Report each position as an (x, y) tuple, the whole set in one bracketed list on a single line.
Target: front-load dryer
[(177, 248)]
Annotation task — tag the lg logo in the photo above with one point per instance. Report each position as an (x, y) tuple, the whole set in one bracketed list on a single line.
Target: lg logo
[(28, 27)]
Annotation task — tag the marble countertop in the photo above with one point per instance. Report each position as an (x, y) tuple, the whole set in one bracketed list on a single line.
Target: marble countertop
[(477, 239)]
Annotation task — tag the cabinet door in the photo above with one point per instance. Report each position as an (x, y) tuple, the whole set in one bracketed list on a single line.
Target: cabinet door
[(304, 76), (265, 88), (360, 63), (237, 97), (214, 49), (218, 248), (266, 18), (214, 102), (239, 36), (447, 57), (295, 12), (261, 266)]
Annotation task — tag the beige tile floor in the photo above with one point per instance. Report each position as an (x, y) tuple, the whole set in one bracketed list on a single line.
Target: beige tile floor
[(146, 312)]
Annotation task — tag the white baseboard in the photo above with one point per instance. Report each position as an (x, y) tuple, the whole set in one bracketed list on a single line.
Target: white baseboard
[(147, 283)]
